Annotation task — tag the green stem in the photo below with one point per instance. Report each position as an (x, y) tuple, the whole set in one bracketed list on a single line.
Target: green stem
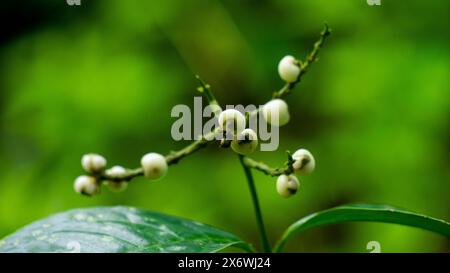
[(267, 170), (172, 158), (205, 89), (259, 219)]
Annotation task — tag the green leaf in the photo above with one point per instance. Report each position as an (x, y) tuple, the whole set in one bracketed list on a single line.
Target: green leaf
[(118, 229), (364, 213)]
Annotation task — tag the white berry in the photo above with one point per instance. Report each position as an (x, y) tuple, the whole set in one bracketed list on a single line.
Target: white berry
[(232, 120), (154, 166), (276, 112), (304, 162), (115, 171), (289, 69), (86, 185), (287, 185), (113, 185), (245, 143), (93, 163)]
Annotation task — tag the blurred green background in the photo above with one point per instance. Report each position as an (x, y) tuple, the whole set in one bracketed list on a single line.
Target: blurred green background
[(104, 76)]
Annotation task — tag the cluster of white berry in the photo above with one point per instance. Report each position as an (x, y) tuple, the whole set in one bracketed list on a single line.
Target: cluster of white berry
[(275, 112), (94, 165), (232, 124), (153, 165), (304, 164)]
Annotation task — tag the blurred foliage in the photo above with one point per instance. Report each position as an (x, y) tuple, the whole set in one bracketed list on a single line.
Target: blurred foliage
[(103, 77)]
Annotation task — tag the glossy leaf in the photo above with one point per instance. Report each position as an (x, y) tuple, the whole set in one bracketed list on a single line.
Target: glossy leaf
[(364, 213), (118, 229)]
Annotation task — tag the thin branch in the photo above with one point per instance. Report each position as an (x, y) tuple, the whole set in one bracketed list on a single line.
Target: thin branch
[(127, 176), (176, 156), (311, 57), (172, 158), (264, 168), (205, 89), (304, 66)]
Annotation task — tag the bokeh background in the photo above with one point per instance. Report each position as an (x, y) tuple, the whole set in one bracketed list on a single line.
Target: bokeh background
[(103, 77)]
